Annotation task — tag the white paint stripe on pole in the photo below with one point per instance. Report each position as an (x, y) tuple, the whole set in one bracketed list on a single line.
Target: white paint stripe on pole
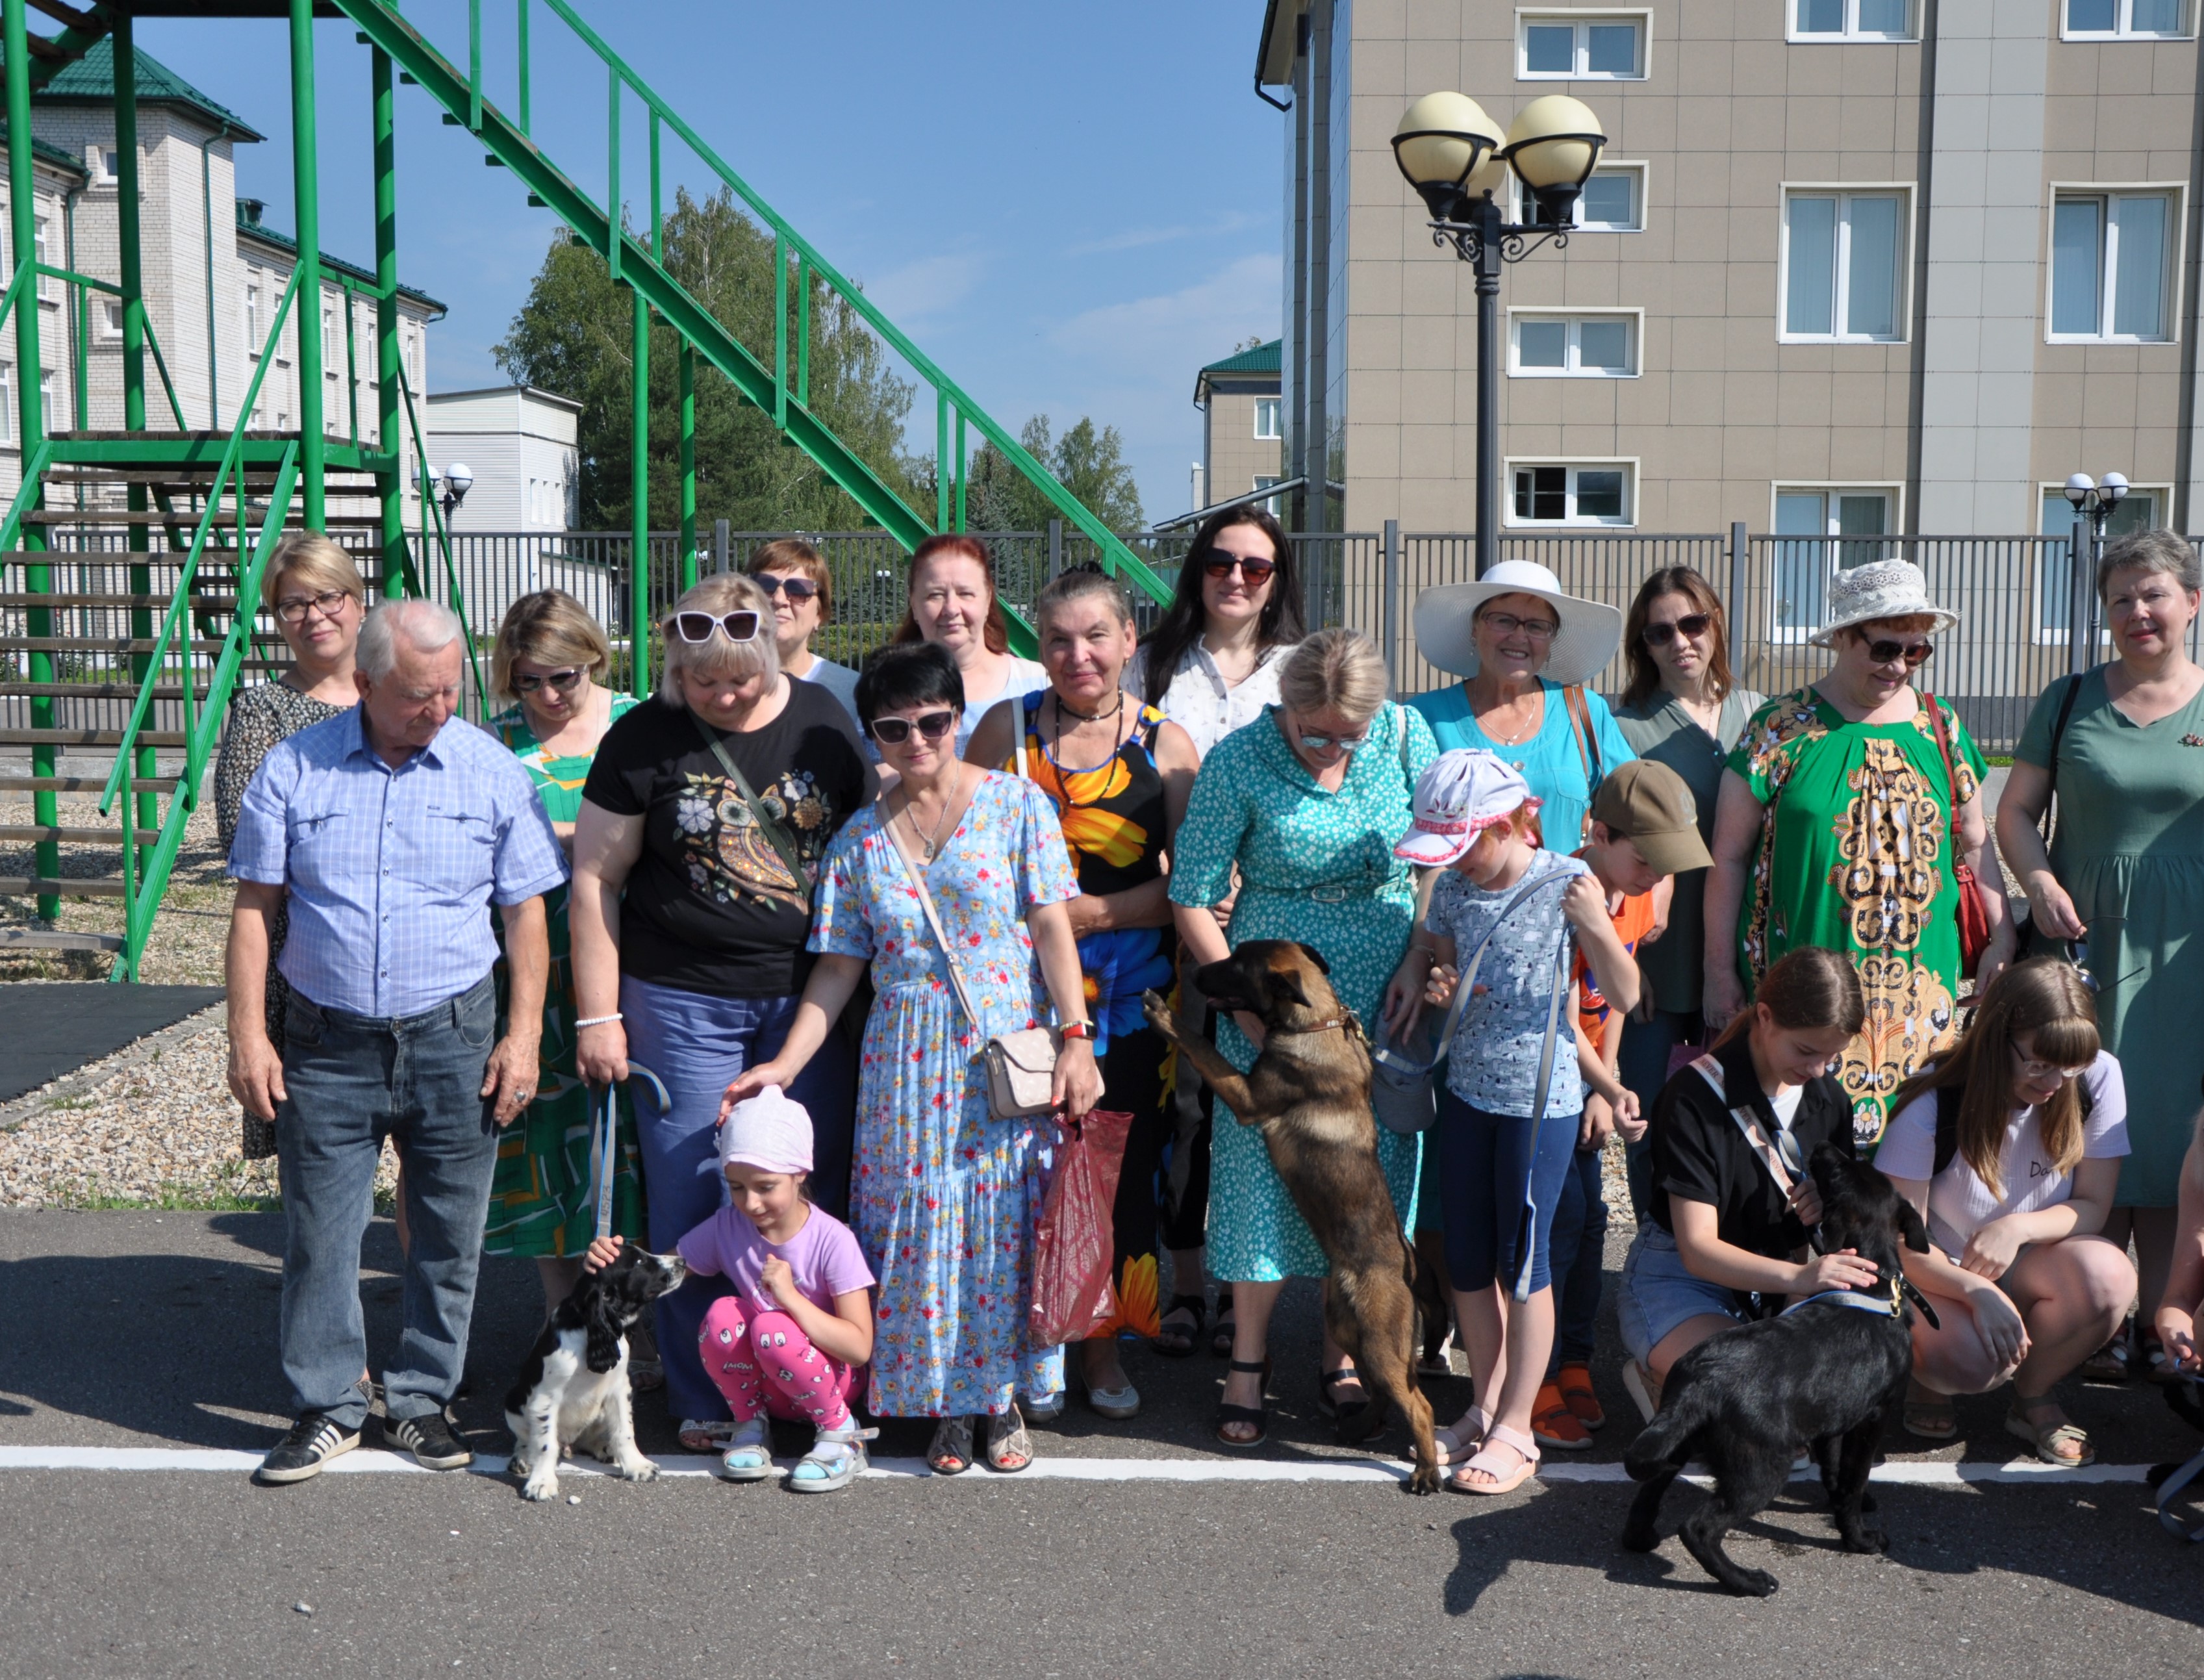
[(2023, 1472)]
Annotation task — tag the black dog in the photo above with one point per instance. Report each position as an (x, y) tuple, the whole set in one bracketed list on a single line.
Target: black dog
[(573, 1392), (1824, 1373)]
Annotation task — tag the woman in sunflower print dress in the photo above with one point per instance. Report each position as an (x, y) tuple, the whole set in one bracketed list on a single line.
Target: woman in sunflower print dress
[(1118, 775), (1838, 825), (549, 656)]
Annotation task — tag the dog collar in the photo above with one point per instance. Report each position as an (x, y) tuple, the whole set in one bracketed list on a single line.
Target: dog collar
[(1890, 1306), (1330, 1023)]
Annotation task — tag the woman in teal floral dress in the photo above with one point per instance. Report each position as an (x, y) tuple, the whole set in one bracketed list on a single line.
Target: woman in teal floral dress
[(541, 1200), (1306, 801)]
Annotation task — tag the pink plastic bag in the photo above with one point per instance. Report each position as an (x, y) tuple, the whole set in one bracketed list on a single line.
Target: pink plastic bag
[(1076, 1241)]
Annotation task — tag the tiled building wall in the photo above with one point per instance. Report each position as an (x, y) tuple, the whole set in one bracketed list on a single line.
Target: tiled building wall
[(1236, 455)]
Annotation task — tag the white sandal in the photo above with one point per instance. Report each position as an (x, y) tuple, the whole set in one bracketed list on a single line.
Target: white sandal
[(836, 1458), (1460, 1438), (1505, 1480), (714, 1434), (749, 1454)]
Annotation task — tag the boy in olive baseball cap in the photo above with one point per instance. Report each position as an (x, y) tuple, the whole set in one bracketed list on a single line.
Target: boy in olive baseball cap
[(1643, 830)]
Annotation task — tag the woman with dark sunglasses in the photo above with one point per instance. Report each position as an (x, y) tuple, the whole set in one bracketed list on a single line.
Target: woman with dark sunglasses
[(1681, 707), (696, 850), (790, 570), (1843, 811)]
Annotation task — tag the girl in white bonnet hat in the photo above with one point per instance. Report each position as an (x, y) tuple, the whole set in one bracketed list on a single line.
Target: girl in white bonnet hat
[(789, 1338)]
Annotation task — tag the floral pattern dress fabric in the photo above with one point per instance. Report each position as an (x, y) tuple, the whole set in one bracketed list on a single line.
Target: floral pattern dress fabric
[(542, 1195), (944, 1197), (1856, 854)]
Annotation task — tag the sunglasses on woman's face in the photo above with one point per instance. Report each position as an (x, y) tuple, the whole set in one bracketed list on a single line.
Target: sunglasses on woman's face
[(1693, 625), (1343, 743), (798, 590), (742, 626), (1889, 653), (1256, 572), (895, 731), (558, 682)]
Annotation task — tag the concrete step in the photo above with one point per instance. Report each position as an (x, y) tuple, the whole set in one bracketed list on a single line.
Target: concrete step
[(53, 939), (41, 887)]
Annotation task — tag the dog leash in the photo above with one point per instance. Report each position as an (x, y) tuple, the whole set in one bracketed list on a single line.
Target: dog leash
[(604, 1145), (2171, 1489)]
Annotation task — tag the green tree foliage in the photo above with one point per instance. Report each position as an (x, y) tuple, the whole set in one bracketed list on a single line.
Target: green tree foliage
[(1090, 464), (574, 335)]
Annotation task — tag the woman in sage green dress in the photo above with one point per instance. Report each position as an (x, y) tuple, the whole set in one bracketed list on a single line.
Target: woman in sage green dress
[(543, 1201), (2126, 871)]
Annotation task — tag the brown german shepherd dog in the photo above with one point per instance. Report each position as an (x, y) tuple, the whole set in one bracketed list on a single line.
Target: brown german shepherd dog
[(1308, 1094)]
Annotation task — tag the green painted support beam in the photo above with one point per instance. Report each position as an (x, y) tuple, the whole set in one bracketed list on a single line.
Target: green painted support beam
[(390, 484), (306, 323), (688, 465), (131, 274), (639, 625)]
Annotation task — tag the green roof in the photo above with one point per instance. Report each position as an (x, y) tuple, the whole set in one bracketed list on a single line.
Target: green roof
[(1262, 359), (92, 77), (268, 235), (51, 153)]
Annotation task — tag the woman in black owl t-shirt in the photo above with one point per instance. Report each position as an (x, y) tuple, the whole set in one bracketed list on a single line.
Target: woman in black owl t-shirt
[(691, 902)]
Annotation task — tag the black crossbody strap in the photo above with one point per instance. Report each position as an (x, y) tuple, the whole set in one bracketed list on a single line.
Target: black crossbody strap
[(2057, 734)]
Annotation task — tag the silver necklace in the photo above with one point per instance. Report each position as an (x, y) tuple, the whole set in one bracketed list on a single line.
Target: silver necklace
[(931, 839), (1517, 740)]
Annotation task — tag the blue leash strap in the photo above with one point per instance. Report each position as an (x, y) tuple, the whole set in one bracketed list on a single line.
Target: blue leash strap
[(604, 1141), (2171, 1489)]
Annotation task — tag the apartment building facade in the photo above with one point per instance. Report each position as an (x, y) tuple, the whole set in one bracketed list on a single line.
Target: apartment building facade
[(1847, 267), (1241, 425)]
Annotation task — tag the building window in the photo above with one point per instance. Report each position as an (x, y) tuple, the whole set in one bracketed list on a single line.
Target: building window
[(2112, 265), (2126, 20), (1274, 507), (111, 318), (1600, 346), (1851, 21), (1571, 493), (1803, 569), (252, 318), (46, 403), (1571, 46), (110, 166), (1266, 418), (38, 256), (1843, 262), (1613, 201), (2138, 510), (7, 402)]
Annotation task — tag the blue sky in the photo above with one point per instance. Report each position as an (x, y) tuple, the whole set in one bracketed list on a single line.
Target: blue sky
[(1070, 208)]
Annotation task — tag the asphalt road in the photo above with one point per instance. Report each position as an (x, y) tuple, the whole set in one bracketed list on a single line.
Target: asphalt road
[(155, 1332)]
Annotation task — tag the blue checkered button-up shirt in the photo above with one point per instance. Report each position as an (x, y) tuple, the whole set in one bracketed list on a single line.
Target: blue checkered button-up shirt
[(390, 872)]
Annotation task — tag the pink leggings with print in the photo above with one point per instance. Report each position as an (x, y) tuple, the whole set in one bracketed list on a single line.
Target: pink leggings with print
[(762, 1360)]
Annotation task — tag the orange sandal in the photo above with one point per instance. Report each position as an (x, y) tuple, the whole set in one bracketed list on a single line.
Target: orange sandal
[(1553, 1425), (1575, 1380)]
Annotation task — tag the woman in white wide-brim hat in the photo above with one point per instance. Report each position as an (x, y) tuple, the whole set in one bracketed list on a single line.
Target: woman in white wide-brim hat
[(1524, 650), (1873, 805)]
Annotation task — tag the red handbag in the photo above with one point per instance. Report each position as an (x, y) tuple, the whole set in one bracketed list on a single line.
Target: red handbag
[(1973, 920)]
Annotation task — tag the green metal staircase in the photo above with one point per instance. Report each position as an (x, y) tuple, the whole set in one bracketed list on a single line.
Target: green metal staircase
[(219, 503)]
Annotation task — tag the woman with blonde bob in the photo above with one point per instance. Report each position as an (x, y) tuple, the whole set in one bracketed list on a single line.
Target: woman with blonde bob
[(696, 850), (319, 603), (547, 663), (2009, 1144)]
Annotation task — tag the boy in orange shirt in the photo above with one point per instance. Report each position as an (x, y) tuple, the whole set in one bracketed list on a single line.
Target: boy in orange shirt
[(1644, 831)]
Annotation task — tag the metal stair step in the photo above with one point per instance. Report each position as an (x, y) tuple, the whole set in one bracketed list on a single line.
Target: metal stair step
[(78, 598), (101, 645), (88, 737), (28, 833), (46, 886), (88, 691), (54, 939), (82, 784), (124, 516)]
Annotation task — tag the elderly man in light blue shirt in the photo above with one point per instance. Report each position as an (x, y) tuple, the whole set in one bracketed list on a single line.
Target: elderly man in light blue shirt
[(390, 830)]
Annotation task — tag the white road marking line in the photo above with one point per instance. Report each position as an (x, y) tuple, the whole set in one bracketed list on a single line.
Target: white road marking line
[(2023, 1472)]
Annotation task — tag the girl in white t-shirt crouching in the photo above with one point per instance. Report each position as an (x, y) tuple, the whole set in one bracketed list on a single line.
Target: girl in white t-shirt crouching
[(2010, 1146)]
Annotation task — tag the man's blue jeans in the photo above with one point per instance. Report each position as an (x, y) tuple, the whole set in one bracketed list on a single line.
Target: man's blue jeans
[(350, 1081)]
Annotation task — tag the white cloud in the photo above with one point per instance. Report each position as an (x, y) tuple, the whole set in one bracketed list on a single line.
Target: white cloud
[(1202, 321), (1134, 238), (926, 287)]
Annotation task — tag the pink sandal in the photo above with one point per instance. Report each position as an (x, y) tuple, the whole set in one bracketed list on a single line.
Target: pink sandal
[(1487, 1461), (1457, 1440)]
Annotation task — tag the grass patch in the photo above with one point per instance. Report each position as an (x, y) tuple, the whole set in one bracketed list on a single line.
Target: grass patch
[(1998, 760), (173, 1198)]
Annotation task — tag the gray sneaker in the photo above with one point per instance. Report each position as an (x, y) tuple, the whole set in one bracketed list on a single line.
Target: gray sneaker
[(429, 1439), (300, 1456)]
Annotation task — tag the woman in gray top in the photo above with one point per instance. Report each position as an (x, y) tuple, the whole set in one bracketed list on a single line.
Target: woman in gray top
[(1683, 708)]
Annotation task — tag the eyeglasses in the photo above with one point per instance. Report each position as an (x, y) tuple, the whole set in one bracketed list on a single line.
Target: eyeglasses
[(742, 626), (2037, 1071), (293, 609), (1342, 743), (798, 590), (1506, 624), (558, 682), (1691, 624), (1257, 572), (895, 731), (1913, 653)]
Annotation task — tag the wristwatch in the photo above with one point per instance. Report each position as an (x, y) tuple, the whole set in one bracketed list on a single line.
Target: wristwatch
[(1078, 1030)]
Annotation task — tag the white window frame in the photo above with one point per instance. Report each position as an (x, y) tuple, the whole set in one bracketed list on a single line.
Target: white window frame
[(1517, 315), (1518, 210), (252, 334), (1276, 409), (2177, 235), (109, 322), (1843, 190), (1629, 465), (1527, 15), (2048, 636), (46, 403), (1850, 35), (1894, 494), (7, 402), (2123, 30), (38, 256)]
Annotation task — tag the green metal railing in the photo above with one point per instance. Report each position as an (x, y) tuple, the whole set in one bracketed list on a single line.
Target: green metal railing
[(455, 598), (781, 386)]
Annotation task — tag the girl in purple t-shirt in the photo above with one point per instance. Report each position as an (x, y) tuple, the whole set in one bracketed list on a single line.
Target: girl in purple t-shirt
[(790, 1338)]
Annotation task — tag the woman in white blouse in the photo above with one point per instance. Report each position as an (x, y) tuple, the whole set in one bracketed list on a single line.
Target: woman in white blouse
[(1211, 665), (2010, 1146)]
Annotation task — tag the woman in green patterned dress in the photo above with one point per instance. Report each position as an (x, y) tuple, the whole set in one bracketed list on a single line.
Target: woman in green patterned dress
[(1838, 825), (549, 656)]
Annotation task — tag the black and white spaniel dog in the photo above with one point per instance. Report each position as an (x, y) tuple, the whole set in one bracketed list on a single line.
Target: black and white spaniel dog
[(573, 1392)]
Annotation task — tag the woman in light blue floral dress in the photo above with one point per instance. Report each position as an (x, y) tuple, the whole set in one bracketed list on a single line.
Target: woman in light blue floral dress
[(1306, 801), (945, 1198)]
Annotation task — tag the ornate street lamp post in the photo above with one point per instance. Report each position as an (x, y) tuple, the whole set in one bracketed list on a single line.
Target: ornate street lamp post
[(1457, 158)]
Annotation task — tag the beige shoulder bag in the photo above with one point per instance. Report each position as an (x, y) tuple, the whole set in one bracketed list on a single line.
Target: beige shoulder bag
[(1022, 1064)]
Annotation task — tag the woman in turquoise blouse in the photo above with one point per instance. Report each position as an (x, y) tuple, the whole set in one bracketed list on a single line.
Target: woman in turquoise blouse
[(1306, 803)]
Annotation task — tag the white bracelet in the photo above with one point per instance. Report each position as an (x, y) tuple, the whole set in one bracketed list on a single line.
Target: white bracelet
[(599, 1020)]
